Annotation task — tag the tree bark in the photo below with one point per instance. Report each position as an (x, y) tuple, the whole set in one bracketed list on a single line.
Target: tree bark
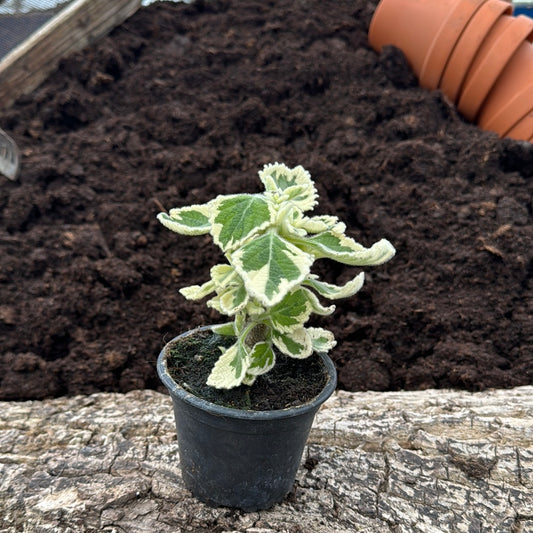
[(428, 461)]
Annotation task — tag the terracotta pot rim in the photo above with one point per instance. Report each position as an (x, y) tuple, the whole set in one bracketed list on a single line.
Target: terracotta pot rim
[(526, 122), (393, 20), (470, 40), (445, 40), (482, 78), (374, 23), (512, 108)]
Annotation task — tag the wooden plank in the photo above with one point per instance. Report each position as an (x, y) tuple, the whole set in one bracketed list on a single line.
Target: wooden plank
[(78, 25), (410, 462)]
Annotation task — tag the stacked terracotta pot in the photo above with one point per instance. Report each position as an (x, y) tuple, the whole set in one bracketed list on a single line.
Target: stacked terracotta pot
[(475, 51)]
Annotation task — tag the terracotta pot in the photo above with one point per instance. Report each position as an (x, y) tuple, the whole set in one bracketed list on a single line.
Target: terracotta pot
[(497, 49), (512, 95), (523, 130), (445, 41), (410, 25), (468, 44)]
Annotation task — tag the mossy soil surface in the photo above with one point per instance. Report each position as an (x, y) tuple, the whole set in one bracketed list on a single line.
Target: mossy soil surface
[(184, 102)]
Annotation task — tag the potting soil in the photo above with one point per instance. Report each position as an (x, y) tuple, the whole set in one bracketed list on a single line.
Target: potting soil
[(184, 102)]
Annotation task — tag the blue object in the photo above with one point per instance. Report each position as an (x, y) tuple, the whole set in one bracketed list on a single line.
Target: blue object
[(523, 7)]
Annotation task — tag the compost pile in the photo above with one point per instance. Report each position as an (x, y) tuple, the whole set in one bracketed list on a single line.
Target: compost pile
[(184, 102)]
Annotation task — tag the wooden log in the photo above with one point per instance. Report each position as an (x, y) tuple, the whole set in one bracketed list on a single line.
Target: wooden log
[(407, 462), (76, 26)]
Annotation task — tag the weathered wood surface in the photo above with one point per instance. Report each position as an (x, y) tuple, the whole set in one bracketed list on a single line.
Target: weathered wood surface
[(428, 462), (76, 26)]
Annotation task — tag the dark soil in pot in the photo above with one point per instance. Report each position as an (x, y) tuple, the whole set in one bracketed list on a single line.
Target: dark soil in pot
[(289, 384), (183, 102)]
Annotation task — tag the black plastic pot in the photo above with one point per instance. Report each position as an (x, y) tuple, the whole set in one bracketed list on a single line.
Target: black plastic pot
[(237, 458)]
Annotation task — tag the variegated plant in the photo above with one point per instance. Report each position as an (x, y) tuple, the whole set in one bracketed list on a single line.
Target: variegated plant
[(267, 285)]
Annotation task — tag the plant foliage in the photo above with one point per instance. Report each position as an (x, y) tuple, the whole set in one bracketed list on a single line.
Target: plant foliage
[(267, 285)]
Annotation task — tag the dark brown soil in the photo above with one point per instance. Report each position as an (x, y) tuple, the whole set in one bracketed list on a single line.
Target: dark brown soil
[(183, 102)]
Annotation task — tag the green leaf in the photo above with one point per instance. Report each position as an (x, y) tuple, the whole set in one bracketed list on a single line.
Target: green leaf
[(190, 220), (227, 329), (230, 369), (290, 184), (297, 343), (236, 218), (304, 197), (215, 304), (320, 224), (316, 306), (270, 267), (322, 339), (330, 244), (240, 323), (332, 291), (293, 311), (249, 379), (233, 300), (223, 275), (262, 359), (289, 221), (345, 250), (231, 294), (277, 177), (197, 292), (253, 308)]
